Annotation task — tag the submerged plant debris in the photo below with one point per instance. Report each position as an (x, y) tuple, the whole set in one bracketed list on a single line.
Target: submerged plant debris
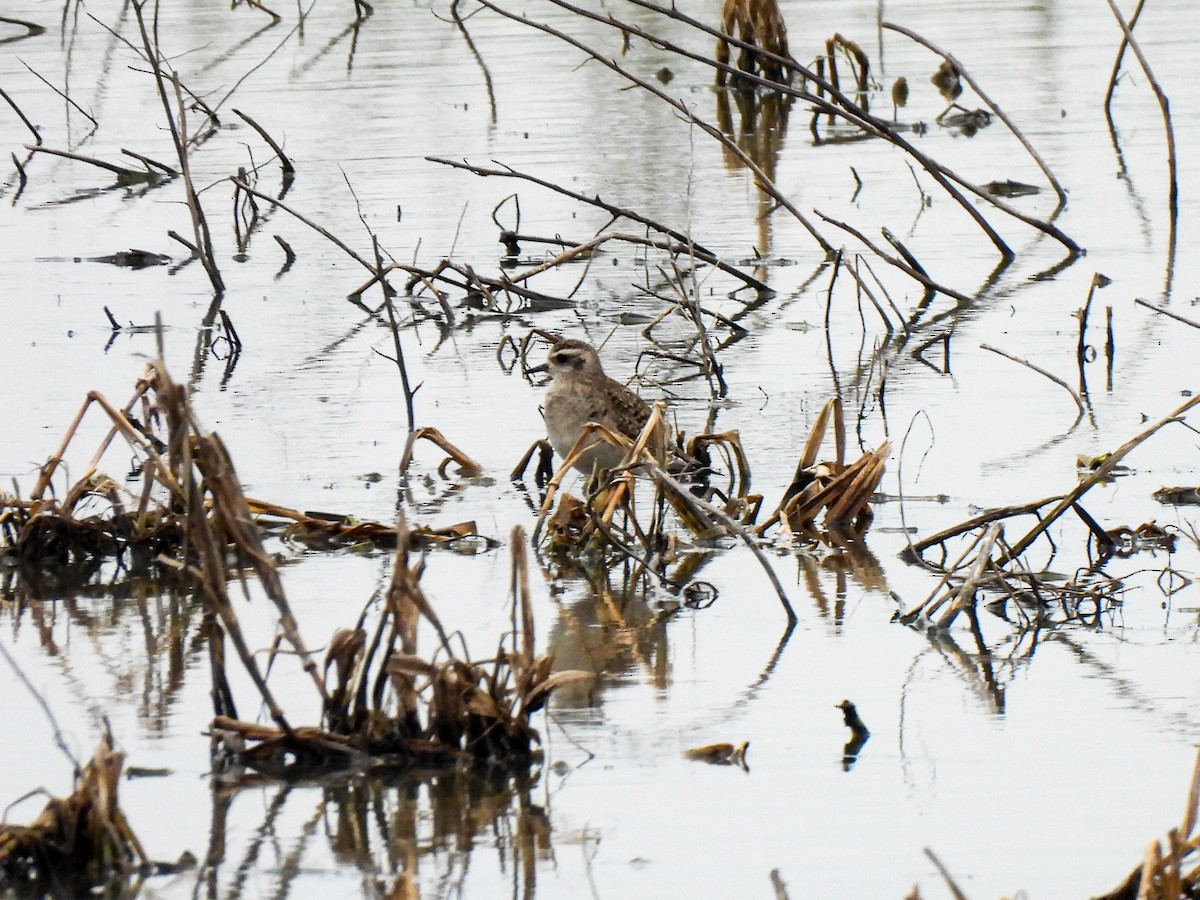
[(76, 843), (789, 238)]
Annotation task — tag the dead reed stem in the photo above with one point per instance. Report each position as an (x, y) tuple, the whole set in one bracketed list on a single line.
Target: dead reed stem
[(672, 248), (679, 491), (32, 29), (289, 171), (37, 136), (214, 577), (951, 884), (964, 594), (1116, 69), (1102, 472), (22, 178), (914, 272), (199, 222), (231, 511), (1164, 106), (992, 515), (991, 104), (362, 261), (470, 282), (461, 24), (1166, 312), (616, 212), (1049, 375), (1098, 281), (468, 465), (120, 171), (763, 180), (407, 389), (83, 112), (152, 163)]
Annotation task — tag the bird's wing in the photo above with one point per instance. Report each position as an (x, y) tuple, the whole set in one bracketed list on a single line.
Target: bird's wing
[(627, 412)]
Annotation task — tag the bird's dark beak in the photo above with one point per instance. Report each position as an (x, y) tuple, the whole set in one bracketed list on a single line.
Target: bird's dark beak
[(533, 370)]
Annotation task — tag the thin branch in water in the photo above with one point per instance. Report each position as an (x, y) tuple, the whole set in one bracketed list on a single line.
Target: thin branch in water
[(916, 274), (1158, 309), (946, 876), (199, 223), (22, 178), (461, 23), (120, 171), (1111, 90), (83, 112), (151, 163), (1050, 375), (32, 28), (289, 171), (1164, 106), (1098, 281), (37, 137), (365, 263), (992, 105), (616, 212), (59, 740), (1100, 474), (288, 253)]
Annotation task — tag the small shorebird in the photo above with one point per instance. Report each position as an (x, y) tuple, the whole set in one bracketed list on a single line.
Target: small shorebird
[(579, 393)]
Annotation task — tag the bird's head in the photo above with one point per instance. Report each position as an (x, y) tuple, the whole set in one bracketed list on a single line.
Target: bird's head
[(571, 357)]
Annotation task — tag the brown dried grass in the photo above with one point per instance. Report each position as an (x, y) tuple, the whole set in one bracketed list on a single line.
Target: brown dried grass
[(77, 843)]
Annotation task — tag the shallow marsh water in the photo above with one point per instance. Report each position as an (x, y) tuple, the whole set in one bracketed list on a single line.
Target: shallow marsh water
[(1045, 765)]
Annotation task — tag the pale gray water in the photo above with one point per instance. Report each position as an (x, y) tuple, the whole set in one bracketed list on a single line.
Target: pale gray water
[(1055, 789)]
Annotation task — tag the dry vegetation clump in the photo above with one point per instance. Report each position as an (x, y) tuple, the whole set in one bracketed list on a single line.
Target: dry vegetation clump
[(1171, 872), (827, 502), (991, 568), (756, 23), (138, 526), (328, 531), (77, 843), (380, 700), (386, 705), (97, 519)]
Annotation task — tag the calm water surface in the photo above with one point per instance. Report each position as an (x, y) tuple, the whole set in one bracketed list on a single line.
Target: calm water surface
[(1043, 765)]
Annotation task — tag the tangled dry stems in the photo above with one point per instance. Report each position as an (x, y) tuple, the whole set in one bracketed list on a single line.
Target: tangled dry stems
[(77, 842)]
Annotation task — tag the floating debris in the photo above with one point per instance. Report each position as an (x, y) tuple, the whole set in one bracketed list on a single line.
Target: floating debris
[(967, 122), (859, 734), (851, 718), (720, 754), (130, 259), (1009, 188), (947, 81), (1147, 536), (1178, 496)]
